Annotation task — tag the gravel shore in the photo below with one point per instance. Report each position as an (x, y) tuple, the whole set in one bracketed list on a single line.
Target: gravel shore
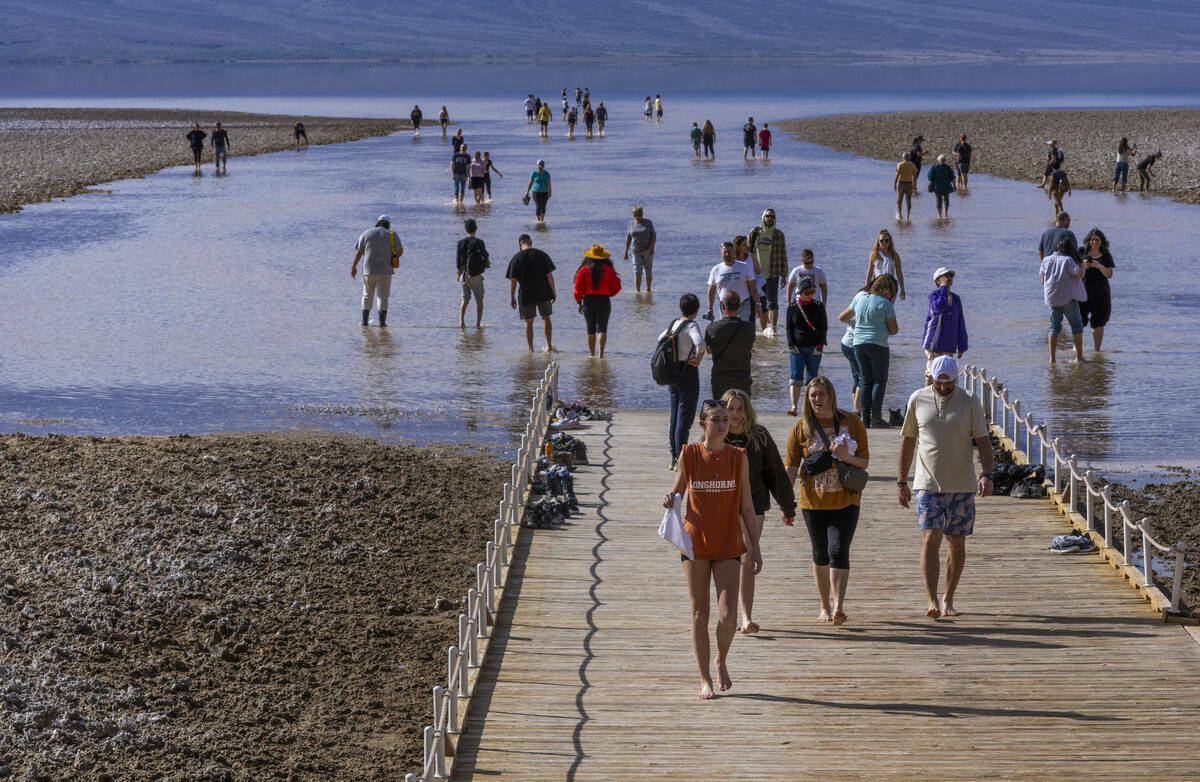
[(1012, 144), (232, 607), (55, 153), (1173, 508)]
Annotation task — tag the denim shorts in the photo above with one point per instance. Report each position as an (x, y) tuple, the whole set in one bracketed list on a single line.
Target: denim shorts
[(953, 514), (1071, 311)]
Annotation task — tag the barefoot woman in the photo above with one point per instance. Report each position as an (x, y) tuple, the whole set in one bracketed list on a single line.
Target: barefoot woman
[(768, 477), (830, 511), (716, 479)]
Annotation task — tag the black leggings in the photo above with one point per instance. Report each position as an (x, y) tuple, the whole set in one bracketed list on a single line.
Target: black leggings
[(596, 309), (196, 153), (831, 532), (539, 200), (708, 145)]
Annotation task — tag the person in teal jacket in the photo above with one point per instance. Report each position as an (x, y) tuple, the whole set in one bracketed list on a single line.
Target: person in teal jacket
[(941, 184)]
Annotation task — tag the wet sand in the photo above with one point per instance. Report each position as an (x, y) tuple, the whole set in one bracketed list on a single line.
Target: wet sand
[(1173, 508), (1012, 144), (231, 606), (56, 153)]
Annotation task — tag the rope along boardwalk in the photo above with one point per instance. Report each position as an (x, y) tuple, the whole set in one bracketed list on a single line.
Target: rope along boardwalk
[(1055, 670)]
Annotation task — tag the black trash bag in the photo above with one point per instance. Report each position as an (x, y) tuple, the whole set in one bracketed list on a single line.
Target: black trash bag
[(1028, 489)]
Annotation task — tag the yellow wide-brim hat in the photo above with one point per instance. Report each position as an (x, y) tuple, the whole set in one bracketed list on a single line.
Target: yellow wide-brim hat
[(597, 252)]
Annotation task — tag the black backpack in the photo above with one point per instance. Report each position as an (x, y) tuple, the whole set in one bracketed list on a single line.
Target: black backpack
[(477, 258), (665, 366)]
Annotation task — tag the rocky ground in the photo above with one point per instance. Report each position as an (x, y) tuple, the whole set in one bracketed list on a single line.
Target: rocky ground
[(229, 607), (1173, 508), (1012, 144), (55, 153)]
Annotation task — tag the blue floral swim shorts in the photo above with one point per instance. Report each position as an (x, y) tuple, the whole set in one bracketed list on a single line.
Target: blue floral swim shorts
[(953, 514)]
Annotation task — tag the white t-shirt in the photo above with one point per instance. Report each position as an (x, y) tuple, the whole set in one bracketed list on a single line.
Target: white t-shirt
[(884, 265), (737, 277), (689, 339), (816, 273)]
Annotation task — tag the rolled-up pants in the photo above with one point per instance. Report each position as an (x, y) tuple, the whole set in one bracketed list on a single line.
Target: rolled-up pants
[(376, 286)]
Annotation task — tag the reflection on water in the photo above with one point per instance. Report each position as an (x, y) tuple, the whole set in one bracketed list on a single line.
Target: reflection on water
[(210, 304)]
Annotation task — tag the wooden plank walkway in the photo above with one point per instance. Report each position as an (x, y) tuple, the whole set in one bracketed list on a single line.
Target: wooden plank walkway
[(1056, 670)]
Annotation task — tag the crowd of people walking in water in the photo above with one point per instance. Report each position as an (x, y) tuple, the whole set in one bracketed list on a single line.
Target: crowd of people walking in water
[(728, 478)]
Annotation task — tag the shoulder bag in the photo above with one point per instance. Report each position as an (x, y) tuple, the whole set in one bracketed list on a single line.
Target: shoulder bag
[(852, 478)]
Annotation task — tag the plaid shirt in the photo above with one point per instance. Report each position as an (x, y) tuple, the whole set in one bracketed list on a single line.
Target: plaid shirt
[(779, 260)]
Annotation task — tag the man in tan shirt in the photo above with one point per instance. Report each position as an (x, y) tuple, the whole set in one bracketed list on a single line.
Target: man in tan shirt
[(905, 184)]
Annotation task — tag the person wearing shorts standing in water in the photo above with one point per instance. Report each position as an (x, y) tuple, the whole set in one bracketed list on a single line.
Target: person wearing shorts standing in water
[(708, 135), (1053, 155), (962, 160), (830, 510), (596, 282), (529, 108), (539, 186), (220, 146), (1060, 185), (905, 184), (572, 118), (301, 135), (443, 120), (641, 237), (196, 138), (531, 289), (768, 246), (601, 118), (488, 168), (697, 136), (477, 171), (648, 110), (658, 106), (544, 117), (916, 153), (471, 261), (1098, 265), (589, 118), (749, 138), (460, 165), (714, 478), (940, 424), (416, 120), (764, 141), (768, 478)]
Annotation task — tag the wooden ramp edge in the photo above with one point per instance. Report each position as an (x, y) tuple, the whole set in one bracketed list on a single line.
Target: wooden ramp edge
[(1055, 671)]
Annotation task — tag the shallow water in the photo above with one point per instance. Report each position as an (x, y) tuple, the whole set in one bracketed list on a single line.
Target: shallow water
[(201, 304)]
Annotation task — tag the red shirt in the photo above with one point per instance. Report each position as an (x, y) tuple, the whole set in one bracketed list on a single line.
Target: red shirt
[(610, 283), (764, 138)]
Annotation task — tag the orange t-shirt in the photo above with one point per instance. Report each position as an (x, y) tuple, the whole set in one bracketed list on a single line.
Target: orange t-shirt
[(713, 500)]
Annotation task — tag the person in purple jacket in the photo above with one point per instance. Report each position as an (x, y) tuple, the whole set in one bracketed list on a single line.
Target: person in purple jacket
[(945, 327)]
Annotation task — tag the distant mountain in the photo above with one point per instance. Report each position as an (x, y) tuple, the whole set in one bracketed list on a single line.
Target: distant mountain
[(740, 30)]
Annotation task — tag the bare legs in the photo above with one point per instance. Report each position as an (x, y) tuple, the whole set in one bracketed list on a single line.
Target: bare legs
[(1077, 343), (930, 565), (462, 314), (724, 575), (746, 591), (1097, 337), (831, 589), (795, 391)]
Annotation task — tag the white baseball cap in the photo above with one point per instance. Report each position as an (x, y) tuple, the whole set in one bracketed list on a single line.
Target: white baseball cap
[(383, 219), (942, 271), (944, 365)]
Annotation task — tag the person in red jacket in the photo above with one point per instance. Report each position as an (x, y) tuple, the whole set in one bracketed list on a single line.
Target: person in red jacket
[(764, 141), (596, 282)]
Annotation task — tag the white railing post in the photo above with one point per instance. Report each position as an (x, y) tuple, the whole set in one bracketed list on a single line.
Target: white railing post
[(1126, 539), (1107, 494), (481, 619), (1016, 411), (501, 540), (453, 688), (1004, 411), (1043, 434), (411, 778), (1089, 514), (1057, 466), (1029, 436), (428, 745), (1180, 550), (1071, 461), (439, 744), (1147, 555)]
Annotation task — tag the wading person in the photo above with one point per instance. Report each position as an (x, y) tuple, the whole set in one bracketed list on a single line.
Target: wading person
[(477, 173), (764, 141), (301, 135), (736, 276), (884, 261), (458, 141), (807, 268), (905, 184), (806, 334), (601, 118), (196, 138), (443, 120), (471, 261), (531, 288), (596, 282), (1048, 243), (769, 248), (1125, 154), (941, 182), (220, 147), (940, 424), (768, 478), (730, 341), (1053, 155), (916, 153), (460, 164), (708, 135), (1060, 185), (1062, 290), (715, 479), (689, 349), (962, 160), (830, 510), (376, 247), (697, 136), (544, 116), (945, 326), (416, 120), (539, 185), (640, 236), (1098, 266), (749, 138), (488, 168)]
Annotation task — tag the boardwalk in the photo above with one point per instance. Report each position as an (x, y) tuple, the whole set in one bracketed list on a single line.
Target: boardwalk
[(1056, 671)]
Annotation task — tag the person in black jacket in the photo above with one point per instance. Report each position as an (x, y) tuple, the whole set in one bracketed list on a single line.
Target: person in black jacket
[(806, 332), (730, 341), (471, 262), (196, 138), (768, 478)]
